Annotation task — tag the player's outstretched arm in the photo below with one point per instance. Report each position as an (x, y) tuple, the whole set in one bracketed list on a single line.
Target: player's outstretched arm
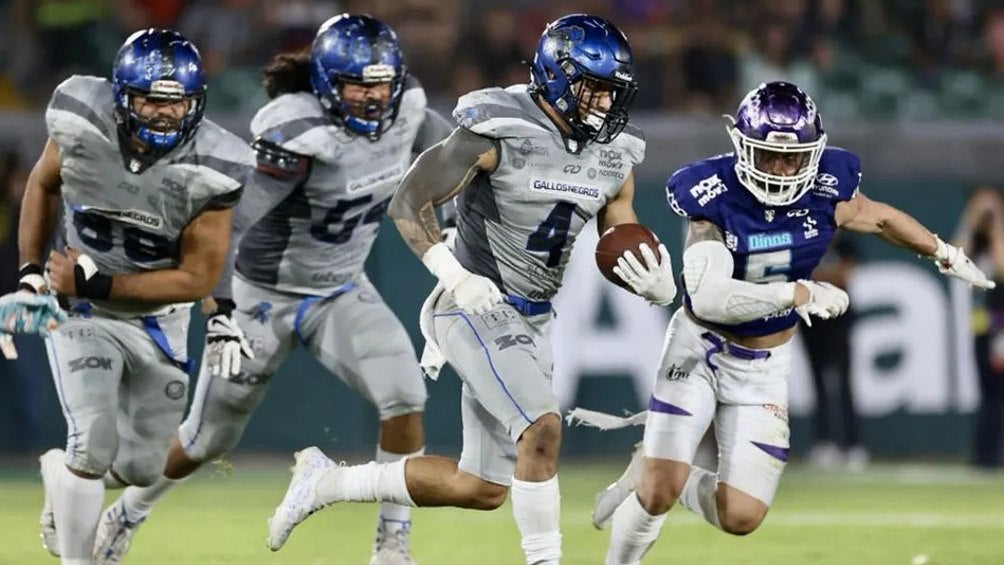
[(203, 249), (436, 176), (864, 215)]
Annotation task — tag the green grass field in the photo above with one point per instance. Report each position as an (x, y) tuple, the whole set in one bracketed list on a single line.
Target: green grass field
[(888, 515)]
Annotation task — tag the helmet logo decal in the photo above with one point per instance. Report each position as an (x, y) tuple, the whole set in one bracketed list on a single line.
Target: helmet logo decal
[(158, 65), (562, 39)]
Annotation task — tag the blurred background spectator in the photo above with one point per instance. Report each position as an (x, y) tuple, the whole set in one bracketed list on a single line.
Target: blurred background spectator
[(828, 346), (908, 59), (981, 233)]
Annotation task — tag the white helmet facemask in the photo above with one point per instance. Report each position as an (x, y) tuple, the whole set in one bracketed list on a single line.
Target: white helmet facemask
[(773, 189)]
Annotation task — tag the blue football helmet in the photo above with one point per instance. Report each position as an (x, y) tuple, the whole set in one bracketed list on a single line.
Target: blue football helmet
[(158, 64), (777, 120), (580, 50), (357, 49)]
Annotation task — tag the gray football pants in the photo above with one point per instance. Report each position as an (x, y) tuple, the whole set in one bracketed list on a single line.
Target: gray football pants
[(505, 362), (121, 394), (352, 333)]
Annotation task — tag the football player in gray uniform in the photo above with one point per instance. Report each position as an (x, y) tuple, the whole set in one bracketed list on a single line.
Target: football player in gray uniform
[(344, 122), (530, 165), (146, 187)]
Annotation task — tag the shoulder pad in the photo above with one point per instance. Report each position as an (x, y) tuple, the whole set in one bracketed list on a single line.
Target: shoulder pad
[(413, 99), (692, 190), (839, 174), (80, 104), (220, 156), (290, 121), (496, 113)]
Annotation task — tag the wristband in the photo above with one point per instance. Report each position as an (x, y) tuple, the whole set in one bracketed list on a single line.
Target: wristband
[(224, 306), (31, 278), (89, 282)]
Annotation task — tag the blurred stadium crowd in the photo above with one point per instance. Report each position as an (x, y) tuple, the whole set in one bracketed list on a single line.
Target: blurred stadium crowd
[(908, 59)]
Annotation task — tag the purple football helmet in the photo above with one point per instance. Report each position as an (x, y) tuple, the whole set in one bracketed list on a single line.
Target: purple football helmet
[(777, 121)]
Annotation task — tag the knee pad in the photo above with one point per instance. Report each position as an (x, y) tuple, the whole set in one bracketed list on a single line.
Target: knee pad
[(218, 418), (141, 471), (95, 445), (404, 399)]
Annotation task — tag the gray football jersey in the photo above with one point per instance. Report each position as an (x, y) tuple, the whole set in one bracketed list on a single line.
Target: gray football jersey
[(131, 222), (318, 233), (517, 224)]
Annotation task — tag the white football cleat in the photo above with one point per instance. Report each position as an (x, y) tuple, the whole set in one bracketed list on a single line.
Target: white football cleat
[(301, 496), (392, 548), (611, 497), (114, 535), (49, 464)]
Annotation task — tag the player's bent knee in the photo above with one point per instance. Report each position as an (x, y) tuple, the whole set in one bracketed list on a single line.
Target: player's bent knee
[(738, 512), (740, 523), (100, 444), (543, 436), (488, 496), (660, 484)]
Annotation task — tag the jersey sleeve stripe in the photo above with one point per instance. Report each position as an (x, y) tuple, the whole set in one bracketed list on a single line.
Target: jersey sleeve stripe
[(239, 172), (66, 103), (294, 128), (486, 116)]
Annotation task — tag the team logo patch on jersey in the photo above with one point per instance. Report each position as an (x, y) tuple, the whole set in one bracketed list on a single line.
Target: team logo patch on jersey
[(387, 175), (826, 185), (759, 241), (135, 217), (174, 390), (565, 188), (707, 189)]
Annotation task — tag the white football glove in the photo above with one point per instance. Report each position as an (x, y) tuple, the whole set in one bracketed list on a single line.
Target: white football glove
[(952, 261), (652, 281), (826, 301), (473, 293), (225, 345), (26, 312)]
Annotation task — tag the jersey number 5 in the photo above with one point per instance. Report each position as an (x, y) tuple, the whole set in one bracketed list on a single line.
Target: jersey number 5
[(772, 266), (552, 233), (96, 231)]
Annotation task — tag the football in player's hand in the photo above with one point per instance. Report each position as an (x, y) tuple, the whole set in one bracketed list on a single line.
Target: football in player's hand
[(618, 239)]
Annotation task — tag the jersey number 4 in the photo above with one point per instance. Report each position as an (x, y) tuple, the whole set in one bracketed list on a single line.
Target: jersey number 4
[(96, 231), (552, 233), (322, 230)]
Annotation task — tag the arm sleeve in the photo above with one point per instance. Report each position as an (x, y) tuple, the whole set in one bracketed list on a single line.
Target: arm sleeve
[(717, 297), (277, 175)]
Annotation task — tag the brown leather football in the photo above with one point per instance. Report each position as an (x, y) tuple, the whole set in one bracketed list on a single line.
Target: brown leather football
[(618, 239)]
